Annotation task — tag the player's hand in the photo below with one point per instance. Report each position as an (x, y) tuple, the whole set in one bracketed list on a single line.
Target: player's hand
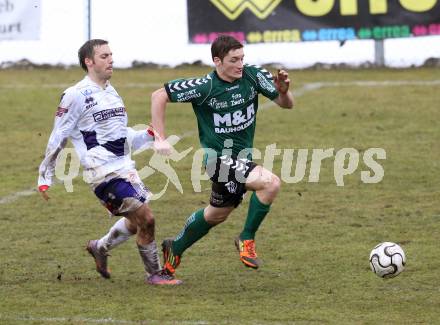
[(162, 147), (43, 190), (282, 81)]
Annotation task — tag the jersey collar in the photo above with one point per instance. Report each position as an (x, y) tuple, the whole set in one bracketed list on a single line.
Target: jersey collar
[(230, 83), (89, 80)]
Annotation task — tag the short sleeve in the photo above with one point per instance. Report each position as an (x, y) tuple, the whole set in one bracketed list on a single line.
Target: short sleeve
[(264, 81), (193, 90)]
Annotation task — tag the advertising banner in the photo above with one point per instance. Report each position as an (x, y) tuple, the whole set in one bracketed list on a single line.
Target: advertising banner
[(270, 21), (20, 19)]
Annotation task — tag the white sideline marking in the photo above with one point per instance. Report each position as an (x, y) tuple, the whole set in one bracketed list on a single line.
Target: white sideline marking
[(366, 83), (68, 319), (297, 93), (97, 320), (14, 196)]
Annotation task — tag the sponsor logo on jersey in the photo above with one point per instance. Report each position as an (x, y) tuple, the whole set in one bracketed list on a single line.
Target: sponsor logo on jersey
[(60, 111), (264, 83), (253, 94), (232, 88), (90, 101), (188, 95), (235, 121), (108, 113), (237, 100), (215, 104), (87, 92)]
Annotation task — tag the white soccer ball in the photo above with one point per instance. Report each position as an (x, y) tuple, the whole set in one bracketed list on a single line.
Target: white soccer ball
[(387, 260)]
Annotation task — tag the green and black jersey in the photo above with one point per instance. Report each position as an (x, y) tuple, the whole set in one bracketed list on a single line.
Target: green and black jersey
[(225, 111)]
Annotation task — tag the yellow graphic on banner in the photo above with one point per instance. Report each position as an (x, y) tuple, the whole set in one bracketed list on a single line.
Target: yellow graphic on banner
[(233, 8)]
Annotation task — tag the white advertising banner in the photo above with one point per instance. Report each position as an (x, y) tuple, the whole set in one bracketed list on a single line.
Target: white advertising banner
[(20, 19)]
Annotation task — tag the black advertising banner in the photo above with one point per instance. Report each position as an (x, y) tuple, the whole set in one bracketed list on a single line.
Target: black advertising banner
[(270, 21)]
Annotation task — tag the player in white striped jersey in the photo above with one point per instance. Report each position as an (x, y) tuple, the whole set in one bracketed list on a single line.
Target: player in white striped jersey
[(92, 115)]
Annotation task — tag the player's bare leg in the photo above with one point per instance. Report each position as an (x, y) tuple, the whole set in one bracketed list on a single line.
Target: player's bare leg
[(214, 215), (265, 183)]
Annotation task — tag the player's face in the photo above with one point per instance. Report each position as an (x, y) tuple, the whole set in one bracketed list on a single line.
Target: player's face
[(102, 64), (231, 68)]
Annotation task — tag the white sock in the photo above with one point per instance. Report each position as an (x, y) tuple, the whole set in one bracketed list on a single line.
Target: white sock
[(116, 235), (150, 257)]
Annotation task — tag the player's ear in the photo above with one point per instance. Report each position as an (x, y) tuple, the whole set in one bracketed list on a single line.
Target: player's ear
[(217, 61), (88, 62)]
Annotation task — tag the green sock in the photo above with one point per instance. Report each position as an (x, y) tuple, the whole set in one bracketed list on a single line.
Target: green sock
[(256, 213), (195, 228)]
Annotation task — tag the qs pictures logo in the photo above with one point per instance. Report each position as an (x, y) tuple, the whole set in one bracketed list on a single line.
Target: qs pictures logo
[(233, 8)]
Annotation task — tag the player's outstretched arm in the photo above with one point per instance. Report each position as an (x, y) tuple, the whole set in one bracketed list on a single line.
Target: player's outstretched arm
[(140, 139), (159, 100), (66, 118), (47, 167), (282, 83)]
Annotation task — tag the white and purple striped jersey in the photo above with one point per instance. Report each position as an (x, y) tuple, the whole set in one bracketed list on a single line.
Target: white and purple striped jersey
[(95, 120)]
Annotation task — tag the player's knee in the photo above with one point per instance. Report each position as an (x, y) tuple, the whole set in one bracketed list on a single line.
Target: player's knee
[(148, 220), (273, 186), (146, 226), (145, 218)]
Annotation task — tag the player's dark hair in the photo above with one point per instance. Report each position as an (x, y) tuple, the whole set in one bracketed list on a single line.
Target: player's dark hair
[(223, 44), (88, 51)]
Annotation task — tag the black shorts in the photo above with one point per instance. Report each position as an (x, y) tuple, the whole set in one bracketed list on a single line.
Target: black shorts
[(228, 176)]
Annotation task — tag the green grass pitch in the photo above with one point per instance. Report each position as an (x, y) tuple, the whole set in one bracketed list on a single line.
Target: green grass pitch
[(314, 243)]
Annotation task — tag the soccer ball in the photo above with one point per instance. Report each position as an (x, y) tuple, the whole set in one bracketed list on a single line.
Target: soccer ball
[(387, 260)]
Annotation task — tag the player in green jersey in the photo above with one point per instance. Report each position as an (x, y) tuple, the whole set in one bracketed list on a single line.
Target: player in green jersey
[(225, 103)]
